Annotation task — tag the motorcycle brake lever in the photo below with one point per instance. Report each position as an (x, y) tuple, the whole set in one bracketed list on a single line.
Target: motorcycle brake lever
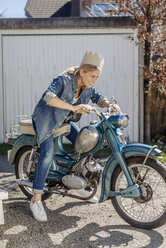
[(95, 111)]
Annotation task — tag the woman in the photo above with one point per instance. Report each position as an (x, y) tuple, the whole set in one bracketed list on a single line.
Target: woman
[(68, 93)]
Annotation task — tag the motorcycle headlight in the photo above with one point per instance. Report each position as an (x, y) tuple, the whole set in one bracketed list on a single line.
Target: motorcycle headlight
[(121, 120), (123, 123)]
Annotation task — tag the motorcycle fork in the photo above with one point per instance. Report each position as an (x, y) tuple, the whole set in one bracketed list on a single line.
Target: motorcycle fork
[(133, 190)]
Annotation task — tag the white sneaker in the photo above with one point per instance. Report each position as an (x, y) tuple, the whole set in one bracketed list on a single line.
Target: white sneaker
[(38, 210), (86, 193)]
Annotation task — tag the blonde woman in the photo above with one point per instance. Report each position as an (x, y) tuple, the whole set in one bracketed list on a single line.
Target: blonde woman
[(69, 92)]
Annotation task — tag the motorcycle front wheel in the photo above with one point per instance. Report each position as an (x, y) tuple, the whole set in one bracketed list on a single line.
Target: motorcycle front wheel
[(149, 210), (21, 166)]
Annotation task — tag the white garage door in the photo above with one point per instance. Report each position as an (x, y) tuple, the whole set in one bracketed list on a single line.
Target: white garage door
[(30, 62)]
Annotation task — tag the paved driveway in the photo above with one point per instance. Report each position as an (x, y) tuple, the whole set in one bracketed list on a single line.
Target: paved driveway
[(71, 223)]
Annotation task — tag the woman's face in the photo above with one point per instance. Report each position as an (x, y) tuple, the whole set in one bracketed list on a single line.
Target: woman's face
[(89, 78)]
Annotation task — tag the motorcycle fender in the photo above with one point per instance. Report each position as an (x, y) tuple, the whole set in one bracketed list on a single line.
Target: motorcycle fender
[(137, 149), (129, 150), (23, 140)]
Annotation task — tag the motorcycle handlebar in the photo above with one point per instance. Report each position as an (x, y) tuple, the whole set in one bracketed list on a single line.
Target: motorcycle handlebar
[(111, 111)]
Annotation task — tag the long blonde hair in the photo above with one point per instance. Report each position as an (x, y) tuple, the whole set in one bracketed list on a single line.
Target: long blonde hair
[(76, 69)]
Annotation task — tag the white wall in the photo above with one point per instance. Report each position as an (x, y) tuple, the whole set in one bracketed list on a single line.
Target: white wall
[(32, 58)]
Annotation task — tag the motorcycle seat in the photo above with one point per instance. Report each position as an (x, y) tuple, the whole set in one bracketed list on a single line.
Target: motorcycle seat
[(26, 127)]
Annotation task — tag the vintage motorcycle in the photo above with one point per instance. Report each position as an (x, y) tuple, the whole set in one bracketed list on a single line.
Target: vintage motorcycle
[(131, 178)]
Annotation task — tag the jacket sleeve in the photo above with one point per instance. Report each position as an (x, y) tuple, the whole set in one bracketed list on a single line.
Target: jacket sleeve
[(97, 97), (54, 90)]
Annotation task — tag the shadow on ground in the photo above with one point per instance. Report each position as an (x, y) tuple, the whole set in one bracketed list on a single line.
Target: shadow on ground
[(63, 231)]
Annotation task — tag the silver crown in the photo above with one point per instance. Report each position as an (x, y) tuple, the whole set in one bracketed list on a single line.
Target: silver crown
[(90, 59)]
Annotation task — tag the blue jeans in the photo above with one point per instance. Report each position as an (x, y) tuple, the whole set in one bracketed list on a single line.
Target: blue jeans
[(46, 157)]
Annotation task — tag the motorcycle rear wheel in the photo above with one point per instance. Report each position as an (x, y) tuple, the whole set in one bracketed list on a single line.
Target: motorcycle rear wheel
[(148, 211), (20, 171)]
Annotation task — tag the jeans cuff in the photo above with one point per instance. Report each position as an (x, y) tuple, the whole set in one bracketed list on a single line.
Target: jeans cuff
[(38, 191)]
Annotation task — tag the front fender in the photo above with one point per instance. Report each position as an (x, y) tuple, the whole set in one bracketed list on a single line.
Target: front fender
[(23, 140), (128, 150), (137, 149)]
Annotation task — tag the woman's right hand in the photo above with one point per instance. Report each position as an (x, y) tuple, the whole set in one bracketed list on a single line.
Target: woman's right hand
[(82, 108)]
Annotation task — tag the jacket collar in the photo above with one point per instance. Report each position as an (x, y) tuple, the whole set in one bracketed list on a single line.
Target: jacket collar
[(75, 83)]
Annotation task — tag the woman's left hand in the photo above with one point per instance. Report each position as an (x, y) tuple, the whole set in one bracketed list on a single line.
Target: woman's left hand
[(116, 108)]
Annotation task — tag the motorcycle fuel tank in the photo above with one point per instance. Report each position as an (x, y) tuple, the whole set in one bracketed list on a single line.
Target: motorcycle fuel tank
[(86, 139)]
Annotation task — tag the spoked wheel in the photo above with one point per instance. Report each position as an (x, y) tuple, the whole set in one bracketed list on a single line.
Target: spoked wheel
[(23, 171), (149, 210)]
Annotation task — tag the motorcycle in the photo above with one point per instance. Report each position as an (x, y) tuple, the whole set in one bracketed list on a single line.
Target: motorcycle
[(131, 178)]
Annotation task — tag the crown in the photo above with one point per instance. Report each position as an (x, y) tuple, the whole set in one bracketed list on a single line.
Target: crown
[(90, 59)]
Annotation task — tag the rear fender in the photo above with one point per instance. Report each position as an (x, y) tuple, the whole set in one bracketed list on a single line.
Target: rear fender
[(22, 141), (129, 150)]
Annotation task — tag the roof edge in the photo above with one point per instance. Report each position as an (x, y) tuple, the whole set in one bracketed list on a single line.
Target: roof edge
[(63, 22)]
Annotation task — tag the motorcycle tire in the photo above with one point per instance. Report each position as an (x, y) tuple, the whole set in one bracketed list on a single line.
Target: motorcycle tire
[(149, 210), (20, 170)]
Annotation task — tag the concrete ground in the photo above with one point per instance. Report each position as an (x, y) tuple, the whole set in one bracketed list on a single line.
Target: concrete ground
[(71, 223)]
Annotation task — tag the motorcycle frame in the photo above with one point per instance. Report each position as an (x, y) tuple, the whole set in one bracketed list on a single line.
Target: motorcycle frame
[(120, 151)]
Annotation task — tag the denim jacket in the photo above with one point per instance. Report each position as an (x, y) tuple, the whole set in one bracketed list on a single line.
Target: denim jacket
[(47, 118)]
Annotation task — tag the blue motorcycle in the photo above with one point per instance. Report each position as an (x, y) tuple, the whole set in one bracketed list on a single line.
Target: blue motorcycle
[(131, 177)]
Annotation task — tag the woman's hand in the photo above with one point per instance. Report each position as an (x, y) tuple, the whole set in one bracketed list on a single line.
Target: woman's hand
[(82, 108), (116, 108)]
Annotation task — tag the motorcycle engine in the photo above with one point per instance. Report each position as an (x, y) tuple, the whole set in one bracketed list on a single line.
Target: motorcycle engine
[(84, 172), (74, 182)]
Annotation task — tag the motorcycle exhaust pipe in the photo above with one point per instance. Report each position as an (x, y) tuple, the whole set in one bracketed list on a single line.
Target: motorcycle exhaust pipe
[(25, 183), (28, 184)]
